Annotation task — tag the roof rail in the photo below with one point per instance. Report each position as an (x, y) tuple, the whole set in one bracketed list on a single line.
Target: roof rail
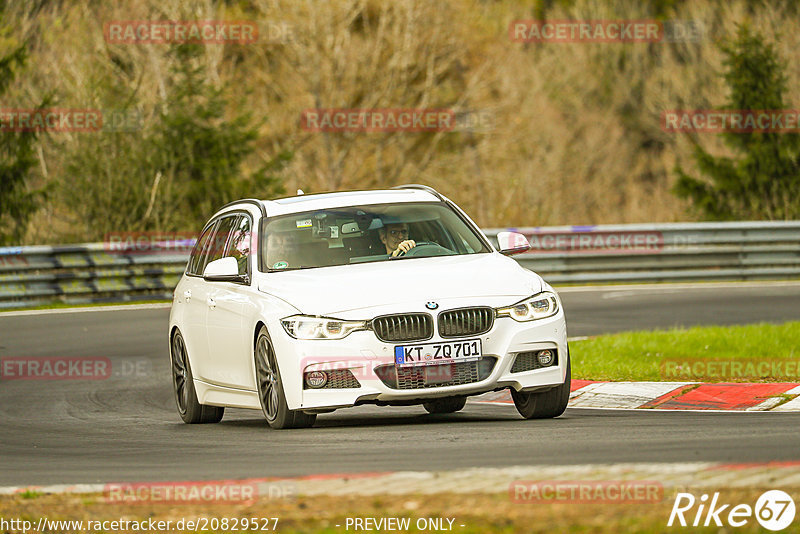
[(421, 187), (247, 201)]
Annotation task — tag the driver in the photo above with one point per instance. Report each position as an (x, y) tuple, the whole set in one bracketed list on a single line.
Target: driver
[(395, 239)]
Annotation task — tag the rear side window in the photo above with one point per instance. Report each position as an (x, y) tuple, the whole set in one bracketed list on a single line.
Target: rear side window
[(197, 252)]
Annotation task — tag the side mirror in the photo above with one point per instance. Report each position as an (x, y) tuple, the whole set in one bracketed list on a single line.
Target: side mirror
[(224, 270), (512, 243)]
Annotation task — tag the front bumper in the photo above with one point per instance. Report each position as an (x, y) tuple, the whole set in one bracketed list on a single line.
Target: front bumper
[(362, 352)]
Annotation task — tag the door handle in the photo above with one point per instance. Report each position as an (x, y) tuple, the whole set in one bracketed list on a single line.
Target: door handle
[(211, 303), (187, 295)]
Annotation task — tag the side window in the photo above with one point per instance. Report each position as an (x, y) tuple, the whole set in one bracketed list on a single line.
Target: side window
[(217, 242), (197, 251), (239, 243)]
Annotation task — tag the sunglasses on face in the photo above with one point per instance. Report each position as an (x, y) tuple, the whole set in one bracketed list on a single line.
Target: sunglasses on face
[(399, 233)]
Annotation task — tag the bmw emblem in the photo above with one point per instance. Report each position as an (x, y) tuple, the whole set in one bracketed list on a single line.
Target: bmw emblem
[(431, 305)]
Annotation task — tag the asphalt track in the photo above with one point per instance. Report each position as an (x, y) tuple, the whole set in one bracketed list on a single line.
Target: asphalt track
[(126, 428)]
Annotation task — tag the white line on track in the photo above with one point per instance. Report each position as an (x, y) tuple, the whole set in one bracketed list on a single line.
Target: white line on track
[(681, 285), (121, 307), (640, 410), (569, 289)]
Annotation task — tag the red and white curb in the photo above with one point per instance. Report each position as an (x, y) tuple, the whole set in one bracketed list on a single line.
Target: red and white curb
[(759, 397), (672, 476)]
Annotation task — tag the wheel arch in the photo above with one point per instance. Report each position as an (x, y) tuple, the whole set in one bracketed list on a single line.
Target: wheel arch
[(259, 325), (174, 329)]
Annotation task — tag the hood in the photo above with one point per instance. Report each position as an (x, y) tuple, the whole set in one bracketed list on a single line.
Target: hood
[(402, 283)]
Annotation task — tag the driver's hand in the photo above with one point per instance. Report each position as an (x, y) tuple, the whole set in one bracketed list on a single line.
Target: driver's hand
[(404, 247)]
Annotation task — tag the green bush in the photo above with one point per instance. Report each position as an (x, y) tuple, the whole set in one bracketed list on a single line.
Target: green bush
[(764, 183), (186, 161), (17, 162)]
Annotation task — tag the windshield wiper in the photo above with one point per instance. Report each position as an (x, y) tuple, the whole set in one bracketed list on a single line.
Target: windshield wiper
[(290, 269)]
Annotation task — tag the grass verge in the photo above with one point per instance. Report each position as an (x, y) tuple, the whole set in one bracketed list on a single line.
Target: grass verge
[(752, 353), (478, 513)]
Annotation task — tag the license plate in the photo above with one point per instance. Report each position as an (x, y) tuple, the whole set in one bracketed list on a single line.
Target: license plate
[(437, 353)]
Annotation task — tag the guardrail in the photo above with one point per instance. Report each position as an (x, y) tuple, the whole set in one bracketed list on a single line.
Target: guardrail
[(97, 272), (668, 252), (76, 274)]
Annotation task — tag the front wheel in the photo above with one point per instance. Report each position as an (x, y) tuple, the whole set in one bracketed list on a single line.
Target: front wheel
[(446, 405), (190, 410), (545, 404), (270, 389)]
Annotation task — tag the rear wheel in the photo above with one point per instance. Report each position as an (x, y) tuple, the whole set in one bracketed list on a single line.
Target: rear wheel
[(446, 405), (545, 404), (190, 410), (270, 389)]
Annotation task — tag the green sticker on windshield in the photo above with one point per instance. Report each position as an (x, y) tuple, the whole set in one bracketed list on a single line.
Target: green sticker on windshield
[(280, 265)]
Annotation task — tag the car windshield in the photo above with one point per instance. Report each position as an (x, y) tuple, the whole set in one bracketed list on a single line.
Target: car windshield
[(360, 234)]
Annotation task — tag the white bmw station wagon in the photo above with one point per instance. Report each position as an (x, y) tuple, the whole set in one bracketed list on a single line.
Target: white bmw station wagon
[(302, 305)]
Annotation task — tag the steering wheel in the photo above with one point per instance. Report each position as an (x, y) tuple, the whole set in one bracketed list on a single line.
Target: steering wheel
[(441, 252)]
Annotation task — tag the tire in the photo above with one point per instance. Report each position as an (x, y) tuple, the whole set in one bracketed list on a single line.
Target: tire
[(270, 389), (545, 404), (191, 411), (445, 405)]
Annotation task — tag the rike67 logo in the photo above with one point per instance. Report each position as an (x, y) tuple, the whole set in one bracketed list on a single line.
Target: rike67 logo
[(774, 510)]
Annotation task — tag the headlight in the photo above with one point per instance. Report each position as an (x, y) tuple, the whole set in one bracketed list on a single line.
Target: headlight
[(536, 307), (307, 327)]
